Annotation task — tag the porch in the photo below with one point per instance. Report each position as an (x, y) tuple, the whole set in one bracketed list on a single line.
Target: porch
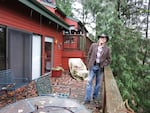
[(110, 101), (77, 91)]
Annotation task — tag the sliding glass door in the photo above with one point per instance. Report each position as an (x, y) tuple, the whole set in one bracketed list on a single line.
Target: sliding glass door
[(20, 53)]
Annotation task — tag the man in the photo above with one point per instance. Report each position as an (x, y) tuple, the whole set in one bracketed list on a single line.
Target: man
[(98, 57)]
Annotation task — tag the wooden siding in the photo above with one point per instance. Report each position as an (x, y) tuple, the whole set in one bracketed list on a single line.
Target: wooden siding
[(88, 44), (71, 54), (71, 44), (23, 20), (71, 22)]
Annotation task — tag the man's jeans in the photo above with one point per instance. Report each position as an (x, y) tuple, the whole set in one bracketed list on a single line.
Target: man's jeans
[(97, 73)]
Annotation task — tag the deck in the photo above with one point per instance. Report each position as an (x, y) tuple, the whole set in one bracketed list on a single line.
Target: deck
[(109, 101), (77, 91)]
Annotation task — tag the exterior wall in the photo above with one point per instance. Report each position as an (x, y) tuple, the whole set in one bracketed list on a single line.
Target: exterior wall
[(71, 54), (59, 15), (73, 50), (66, 53), (88, 44), (53, 33), (73, 45), (71, 22), (21, 19), (28, 20)]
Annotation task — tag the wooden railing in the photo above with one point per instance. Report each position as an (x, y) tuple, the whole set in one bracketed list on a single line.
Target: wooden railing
[(111, 98)]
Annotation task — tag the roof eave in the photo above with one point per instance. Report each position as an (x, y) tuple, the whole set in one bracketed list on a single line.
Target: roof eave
[(33, 4)]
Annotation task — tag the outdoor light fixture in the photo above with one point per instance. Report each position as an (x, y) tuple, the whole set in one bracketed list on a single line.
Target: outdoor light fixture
[(56, 41)]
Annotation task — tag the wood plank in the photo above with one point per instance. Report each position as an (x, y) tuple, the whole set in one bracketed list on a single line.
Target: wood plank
[(113, 99)]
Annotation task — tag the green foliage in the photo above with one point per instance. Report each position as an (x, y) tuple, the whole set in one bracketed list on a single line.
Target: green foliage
[(130, 52), (65, 6), (131, 76)]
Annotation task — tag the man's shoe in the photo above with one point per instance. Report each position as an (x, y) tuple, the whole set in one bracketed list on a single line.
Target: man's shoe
[(94, 100), (86, 102)]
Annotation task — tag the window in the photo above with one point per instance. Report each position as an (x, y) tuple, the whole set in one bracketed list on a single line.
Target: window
[(2, 48)]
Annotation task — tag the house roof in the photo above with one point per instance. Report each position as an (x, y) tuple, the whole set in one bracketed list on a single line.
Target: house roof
[(33, 4), (78, 21), (60, 11), (53, 6)]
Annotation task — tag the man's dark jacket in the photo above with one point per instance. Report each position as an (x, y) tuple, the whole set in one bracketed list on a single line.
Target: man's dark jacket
[(105, 57)]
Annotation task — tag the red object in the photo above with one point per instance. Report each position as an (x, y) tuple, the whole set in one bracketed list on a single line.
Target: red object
[(56, 73)]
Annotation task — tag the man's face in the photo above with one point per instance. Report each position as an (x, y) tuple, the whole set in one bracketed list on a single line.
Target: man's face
[(102, 40)]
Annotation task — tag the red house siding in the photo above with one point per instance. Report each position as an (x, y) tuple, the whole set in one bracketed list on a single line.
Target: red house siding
[(58, 51), (88, 44), (73, 45), (31, 21), (46, 32), (72, 54), (70, 46), (71, 22), (72, 50), (20, 19), (50, 9)]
